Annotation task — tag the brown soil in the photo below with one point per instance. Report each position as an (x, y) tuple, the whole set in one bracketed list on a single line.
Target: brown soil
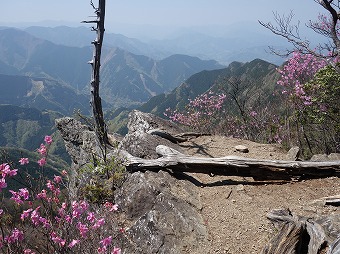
[(235, 208)]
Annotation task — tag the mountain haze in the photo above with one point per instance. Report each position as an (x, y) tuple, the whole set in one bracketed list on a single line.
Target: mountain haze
[(256, 81), (82, 36), (256, 77), (141, 77), (223, 44), (42, 94), (127, 79), (26, 127)]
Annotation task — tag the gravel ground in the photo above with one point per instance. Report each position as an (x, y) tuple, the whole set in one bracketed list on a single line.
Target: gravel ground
[(235, 208)]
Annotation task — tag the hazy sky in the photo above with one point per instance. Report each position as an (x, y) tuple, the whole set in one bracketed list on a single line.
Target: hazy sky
[(179, 13)]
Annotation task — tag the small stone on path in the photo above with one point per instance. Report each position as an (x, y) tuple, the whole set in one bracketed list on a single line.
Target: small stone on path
[(242, 148)]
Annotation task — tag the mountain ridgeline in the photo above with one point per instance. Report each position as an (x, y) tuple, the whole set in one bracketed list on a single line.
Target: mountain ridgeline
[(25, 128), (257, 77), (42, 80), (253, 83), (42, 94), (127, 79)]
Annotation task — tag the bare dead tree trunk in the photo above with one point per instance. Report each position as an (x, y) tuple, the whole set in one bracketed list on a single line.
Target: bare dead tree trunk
[(101, 129)]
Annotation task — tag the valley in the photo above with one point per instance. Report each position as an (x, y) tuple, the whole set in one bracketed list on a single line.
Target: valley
[(44, 69)]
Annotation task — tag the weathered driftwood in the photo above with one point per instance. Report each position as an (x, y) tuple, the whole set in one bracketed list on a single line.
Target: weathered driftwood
[(286, 241), (232, 165), (332, 200), (176, 138), (299, 235)]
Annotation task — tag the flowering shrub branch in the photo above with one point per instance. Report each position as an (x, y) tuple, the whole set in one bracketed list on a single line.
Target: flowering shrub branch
[(48, 222), (208, 113), (311, 89)]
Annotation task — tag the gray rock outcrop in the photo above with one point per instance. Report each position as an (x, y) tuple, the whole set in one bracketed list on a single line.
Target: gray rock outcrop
[(163, 213), (138, 142), (325, 157), (293, 154)]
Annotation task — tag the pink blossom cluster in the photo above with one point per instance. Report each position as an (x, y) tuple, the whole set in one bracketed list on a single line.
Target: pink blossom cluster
[(6, 171), (200, 111), (300, 69), (208, 103), (15, 236), (42, 150), (206, 113), (67, 224)]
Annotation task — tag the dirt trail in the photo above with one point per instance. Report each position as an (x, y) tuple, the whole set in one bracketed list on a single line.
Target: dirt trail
[(235, 208)]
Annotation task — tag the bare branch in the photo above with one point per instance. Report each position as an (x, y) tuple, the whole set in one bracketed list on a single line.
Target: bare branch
[(92, 4), (290, 32)]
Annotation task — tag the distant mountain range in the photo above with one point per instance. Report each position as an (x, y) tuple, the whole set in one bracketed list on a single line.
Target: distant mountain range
[(25, 128), (257, 78), (127, 79), (256, 86), (243, 42), (44, 75), (42, 94)]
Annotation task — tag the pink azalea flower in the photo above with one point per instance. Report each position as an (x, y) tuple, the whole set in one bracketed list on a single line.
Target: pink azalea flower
[(16, 236), (44, 222), (5, 169), (42, 162), (91, 217), (253, 113), (57, 179), (114, 208), (56, 192), (111, 206), (116, 250), (16, 197), (1, 211), (42, 194), (29, 251), (13, 172), (101, 249), (50, 185), (24, 193), (82, 229), (55, 238), (48, 140), (74, 242), (64, 205), (99, 223), (23, 161), (68, 218), (3, 183), (106, 241), (42, 150), (25, 214), (35, 215)]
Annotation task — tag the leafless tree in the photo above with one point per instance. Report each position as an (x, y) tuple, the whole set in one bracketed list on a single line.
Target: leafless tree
[(325, 25), (101, 128)]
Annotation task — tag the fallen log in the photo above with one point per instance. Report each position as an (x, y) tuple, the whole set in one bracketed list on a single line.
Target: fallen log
[(176, 138), (332, 200), (232, 165)]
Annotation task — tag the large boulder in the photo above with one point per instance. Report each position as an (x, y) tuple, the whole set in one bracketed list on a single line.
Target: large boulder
[(163, 214), (161, 211), (140, 142)]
